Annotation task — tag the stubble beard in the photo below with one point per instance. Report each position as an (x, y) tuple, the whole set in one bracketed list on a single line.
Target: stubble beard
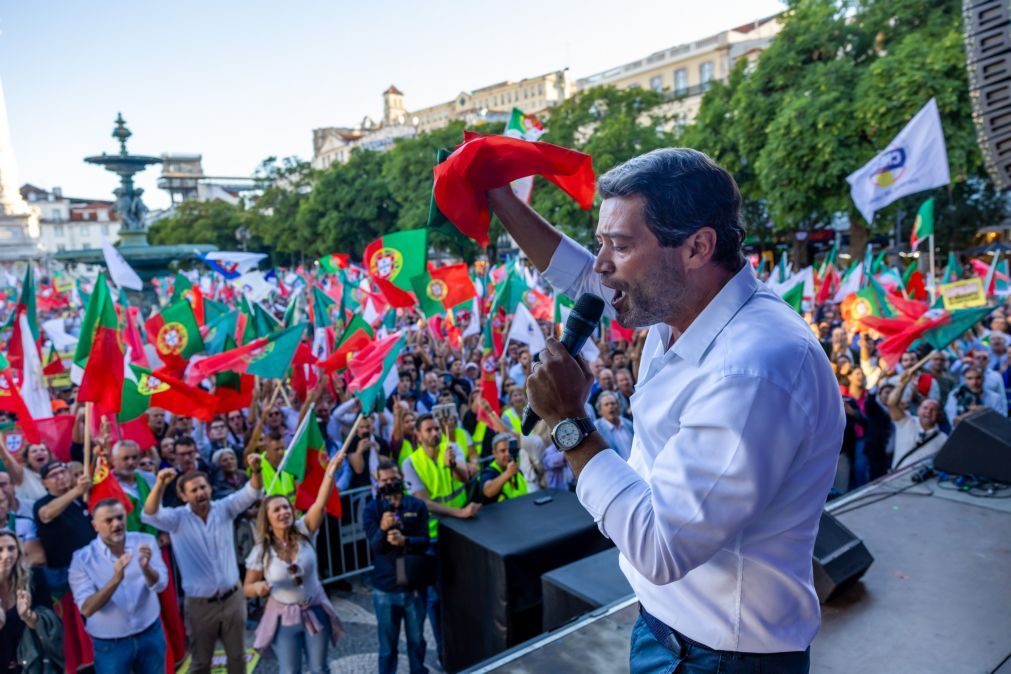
[(655, 300)]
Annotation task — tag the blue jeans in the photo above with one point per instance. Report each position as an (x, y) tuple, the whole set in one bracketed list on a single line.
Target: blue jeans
[(142, 653), (290, 641), (861, 465), (391, 608), (649, 656)]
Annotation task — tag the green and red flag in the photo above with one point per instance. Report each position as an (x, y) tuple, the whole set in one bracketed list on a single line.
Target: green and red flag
[(217, 333), (953, 270), (306, 461), (356, 336), (26, 305), (181, 288), (913, 283), (923, 226), (958, 322), (99, 352), (143, 388), (334, 262), (213, 310), (563, 307), (374, 372), (795, 297), (323, 308), (393, 260), (105, 485), (175, 332), (429, 293), (267, 357), (11, 401)]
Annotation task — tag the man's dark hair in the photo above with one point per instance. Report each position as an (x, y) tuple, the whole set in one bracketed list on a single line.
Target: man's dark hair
[(424, 417), (684, 190), (105, 503), (186, 478), (184, 440), (275, 434), (387, 464)]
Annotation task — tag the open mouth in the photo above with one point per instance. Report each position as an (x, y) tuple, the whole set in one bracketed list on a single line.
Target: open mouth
[(618, 299)]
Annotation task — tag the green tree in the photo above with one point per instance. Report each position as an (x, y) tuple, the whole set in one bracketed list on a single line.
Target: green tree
[(213, 222), (283, 186)]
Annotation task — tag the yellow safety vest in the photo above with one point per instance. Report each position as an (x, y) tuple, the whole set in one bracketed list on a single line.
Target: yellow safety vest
[(406, 449), (440, 483), (513, 419), (478, 438), (462, 441), (508, 490), (285, 484)]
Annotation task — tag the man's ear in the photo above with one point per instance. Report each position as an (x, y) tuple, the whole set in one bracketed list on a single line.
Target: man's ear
[(700, 248)]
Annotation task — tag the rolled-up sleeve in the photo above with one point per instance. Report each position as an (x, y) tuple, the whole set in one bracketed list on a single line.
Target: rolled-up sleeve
[(164, 519), (571, 272), (241, 501), (80, 582), (706, 483)]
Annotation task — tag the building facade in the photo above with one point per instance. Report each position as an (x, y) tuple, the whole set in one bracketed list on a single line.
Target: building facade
[(69, 223)]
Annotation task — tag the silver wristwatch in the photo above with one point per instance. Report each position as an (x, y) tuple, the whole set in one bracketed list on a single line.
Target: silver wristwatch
[(570, 433)]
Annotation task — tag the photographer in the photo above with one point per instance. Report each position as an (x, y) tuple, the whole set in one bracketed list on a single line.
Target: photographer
[(397, 528), (502, 479)]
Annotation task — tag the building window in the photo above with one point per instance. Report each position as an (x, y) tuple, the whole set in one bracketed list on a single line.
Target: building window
[(705, 74), (680, 81), (58, 230), (656, 83), (105, 230), (540, 89)]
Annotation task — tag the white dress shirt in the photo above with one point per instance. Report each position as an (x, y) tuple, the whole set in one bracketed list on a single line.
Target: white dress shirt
[(134, 606), (908, 433), (205, 551), (738, 427)]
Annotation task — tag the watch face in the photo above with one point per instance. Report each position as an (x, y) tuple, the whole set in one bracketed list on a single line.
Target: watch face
[(568, 434)]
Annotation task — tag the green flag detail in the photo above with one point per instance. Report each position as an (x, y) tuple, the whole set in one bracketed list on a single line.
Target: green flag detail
[(923, 226)]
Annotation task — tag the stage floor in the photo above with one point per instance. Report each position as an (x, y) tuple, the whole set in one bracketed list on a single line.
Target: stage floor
[(936, 599)]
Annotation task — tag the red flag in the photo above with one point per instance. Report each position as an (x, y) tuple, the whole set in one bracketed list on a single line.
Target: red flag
[(58, 434), (483, 162), (316, 461), (618, 333), (131, 337), (229, 399), (459, 286), (489, 387), (105, 485), (11, 401), (138, 431)]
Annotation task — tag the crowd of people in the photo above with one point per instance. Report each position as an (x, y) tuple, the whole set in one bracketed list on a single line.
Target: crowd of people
[(207, 533)]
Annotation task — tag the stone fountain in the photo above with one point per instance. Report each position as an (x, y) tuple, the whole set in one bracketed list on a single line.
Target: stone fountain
[(148, 261)]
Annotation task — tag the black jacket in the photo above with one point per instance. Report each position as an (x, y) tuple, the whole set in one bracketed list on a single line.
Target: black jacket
[(413, 517)]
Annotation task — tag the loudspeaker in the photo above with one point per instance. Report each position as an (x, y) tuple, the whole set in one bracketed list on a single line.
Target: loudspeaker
[(980, 446), (988, 59), (490, 570), (571, 590), (840, 558)]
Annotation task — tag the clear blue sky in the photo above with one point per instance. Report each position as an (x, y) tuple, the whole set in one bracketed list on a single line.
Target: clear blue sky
[(238, 81)]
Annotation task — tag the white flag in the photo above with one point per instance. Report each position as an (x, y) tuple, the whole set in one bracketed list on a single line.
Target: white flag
[(525, 329), (915, 160), (850, 284), (253, 285), (33, 383), (474, 327), (56, 331), (121, 273)]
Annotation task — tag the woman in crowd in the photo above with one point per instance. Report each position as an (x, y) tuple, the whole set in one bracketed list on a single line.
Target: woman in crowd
[(298, 618), (31, 636), (228, 479), (29, 487)]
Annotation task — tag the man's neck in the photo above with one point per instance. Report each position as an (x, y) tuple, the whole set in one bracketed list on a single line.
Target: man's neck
[(117, 549), (614, 422), (431, 451), (127, 478), (714, 281), (202, 511)]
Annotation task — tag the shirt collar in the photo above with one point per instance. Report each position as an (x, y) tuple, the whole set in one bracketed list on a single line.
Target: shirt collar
[(695, 341)]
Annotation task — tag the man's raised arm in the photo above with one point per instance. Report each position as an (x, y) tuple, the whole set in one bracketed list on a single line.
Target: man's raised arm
[(533, 234)]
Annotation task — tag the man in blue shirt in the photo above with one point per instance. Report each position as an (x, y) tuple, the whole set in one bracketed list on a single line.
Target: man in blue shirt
[(396, 525)]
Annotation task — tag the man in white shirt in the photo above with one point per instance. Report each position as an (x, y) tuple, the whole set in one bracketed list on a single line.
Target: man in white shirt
[(616, 429), (115, 580), (916, 437), (203, 543), (737, 415)]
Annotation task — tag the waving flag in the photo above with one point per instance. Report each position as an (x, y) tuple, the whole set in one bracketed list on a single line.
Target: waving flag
[(394, 260), (374, 372), (231, 264), (120, 271), (174, 332), (99, 353), (143, 388), (269, 357), (915, 160)]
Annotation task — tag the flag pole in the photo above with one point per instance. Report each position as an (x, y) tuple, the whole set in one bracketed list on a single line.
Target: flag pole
[(933, 278), (87, 438)]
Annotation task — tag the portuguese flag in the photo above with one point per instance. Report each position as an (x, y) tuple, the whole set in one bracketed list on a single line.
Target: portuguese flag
[(216, 334), (334, 262), (306, 461), (105, 485), (268, 357), (175, 332), (394, 260), (11, 401), (99, 351), (323, 308), (356, 336), (143, 389), (374, 372)]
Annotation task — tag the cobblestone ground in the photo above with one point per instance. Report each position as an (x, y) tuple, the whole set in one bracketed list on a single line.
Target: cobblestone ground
[(357, 651)]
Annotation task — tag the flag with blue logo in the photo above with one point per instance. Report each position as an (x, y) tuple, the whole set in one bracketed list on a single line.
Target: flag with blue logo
[(915, 160)]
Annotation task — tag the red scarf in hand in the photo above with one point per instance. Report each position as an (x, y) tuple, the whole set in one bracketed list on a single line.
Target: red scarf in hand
[(484, 162)]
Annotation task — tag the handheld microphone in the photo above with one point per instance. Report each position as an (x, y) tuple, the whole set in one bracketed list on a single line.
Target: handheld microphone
[(581, 323)]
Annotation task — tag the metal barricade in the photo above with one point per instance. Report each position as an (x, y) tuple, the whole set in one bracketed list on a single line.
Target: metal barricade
[(343, 548)]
